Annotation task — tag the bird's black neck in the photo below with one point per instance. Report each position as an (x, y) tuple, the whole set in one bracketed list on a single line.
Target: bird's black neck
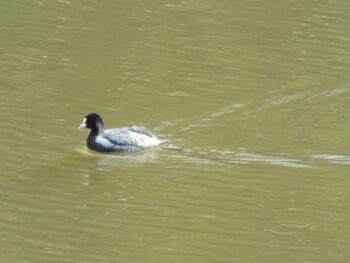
[(95, 131)]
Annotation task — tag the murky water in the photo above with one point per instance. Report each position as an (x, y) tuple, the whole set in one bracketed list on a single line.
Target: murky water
[(252, 98)]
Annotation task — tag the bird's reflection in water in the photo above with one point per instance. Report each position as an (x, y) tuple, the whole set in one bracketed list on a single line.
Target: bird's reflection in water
[(99, 163)]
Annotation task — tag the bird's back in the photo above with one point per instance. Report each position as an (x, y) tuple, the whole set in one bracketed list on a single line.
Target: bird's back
[(137, 136)]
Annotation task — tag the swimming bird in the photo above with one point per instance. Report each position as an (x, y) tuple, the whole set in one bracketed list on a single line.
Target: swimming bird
[(126, 139)]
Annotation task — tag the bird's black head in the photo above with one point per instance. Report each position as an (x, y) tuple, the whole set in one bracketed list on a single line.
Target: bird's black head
[(92, 121)]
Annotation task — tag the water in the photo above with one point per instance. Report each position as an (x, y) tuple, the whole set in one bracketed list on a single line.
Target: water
[(252, 99)]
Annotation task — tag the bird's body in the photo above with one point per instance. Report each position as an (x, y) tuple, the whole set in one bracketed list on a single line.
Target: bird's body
[(125, 139)]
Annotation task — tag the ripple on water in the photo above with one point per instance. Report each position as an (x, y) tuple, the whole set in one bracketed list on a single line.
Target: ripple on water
[(241, 156), (334, 159)]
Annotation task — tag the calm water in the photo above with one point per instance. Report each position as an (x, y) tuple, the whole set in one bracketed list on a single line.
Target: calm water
[(252, 98)]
